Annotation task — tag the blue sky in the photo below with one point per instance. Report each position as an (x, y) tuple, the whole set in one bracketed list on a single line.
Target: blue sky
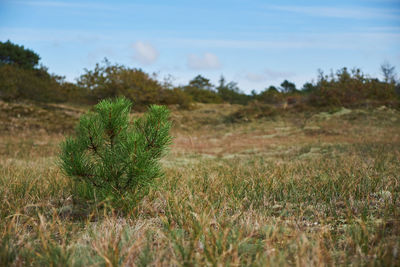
[(252, 42)]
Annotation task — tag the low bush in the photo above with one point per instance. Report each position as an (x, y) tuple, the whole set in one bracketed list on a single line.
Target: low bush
[(255, 110), (351, 89), (34, 84)]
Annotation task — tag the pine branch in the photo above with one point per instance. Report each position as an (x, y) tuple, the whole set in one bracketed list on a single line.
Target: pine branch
[(116, 166), (89, 178)]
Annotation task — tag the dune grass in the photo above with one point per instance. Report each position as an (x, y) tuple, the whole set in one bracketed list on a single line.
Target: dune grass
[(269, 192)]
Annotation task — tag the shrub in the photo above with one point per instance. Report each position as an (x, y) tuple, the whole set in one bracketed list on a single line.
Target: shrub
[(230, 92), (113, 158), (112, 80), (34, 84), (351, 89), (176, 96), (108, 80), (255, 110), (270, 95), (202, 95), (202, 90)]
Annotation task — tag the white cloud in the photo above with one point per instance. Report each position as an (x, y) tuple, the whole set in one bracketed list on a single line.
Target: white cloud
[(145, 53), (268, 75), (203, 62)]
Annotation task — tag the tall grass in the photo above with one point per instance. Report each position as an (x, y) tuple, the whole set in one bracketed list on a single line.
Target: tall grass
[(312, 199)]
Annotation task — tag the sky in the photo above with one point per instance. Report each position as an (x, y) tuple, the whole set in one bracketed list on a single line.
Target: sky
[(252, 42)]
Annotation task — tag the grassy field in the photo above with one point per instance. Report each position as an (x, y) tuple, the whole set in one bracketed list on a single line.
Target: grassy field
[(294, 189)]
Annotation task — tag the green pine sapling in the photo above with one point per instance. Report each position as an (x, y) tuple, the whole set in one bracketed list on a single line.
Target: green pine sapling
[(113, 157)]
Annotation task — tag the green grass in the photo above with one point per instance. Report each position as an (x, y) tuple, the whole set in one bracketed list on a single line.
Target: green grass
[(269, 192)]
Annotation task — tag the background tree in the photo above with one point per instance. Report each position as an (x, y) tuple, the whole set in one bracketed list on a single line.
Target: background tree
[(308, 87), (13, 54), (288, 87), (389, 72), (271, 95), (351, 88), (230, 92), (21, 78), (108, 80), (201, 82), (202, 90)]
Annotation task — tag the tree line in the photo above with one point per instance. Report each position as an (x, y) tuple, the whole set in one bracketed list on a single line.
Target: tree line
[(23, 78)]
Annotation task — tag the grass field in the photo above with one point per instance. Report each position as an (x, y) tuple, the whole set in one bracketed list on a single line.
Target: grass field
[(296, 189)]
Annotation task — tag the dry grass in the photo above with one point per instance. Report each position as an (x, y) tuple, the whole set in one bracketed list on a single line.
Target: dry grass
[(269, 192)]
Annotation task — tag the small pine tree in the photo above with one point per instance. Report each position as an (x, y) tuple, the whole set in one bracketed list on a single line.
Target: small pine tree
[(111, 156)]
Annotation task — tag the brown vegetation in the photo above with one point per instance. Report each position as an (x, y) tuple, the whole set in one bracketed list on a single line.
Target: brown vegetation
[(273, 191)]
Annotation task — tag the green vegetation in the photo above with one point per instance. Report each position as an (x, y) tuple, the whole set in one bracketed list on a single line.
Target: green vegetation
[(352, 89), (201, 90), (12, 54), (108, 81), (112, 158), (29, 84), (288, 87)]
